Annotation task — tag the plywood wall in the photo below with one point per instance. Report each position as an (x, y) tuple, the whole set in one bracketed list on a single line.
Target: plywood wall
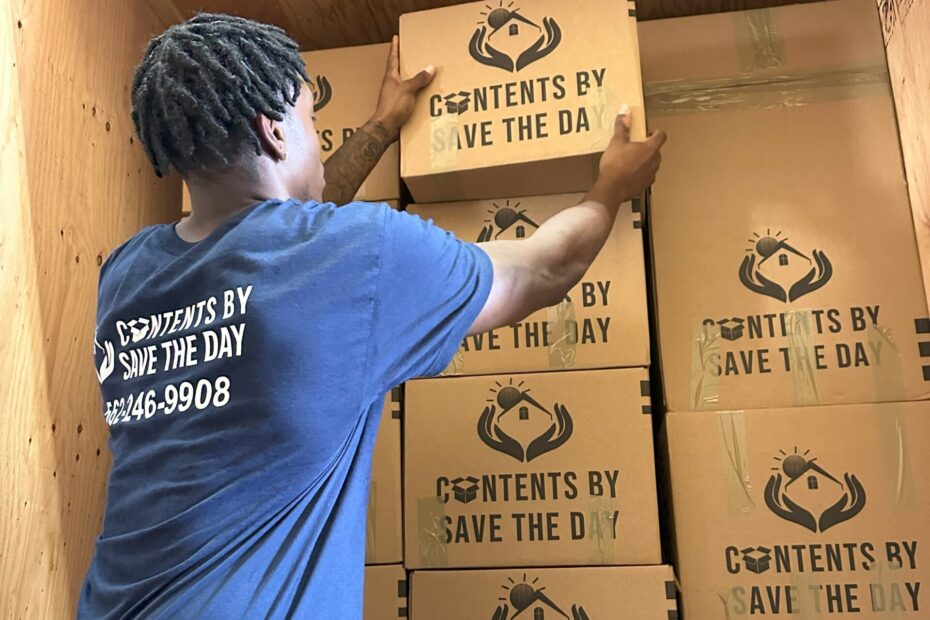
[(906, 25), (323, 24), (74, 187)]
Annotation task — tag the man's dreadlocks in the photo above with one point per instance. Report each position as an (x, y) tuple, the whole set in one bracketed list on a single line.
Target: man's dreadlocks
[(201, 84)]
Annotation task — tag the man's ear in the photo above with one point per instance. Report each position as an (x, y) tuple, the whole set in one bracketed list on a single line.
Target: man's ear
[(271, 136)]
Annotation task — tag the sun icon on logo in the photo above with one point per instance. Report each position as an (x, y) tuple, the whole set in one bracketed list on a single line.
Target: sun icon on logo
[(522, 595), (509, 396), (499, 17), (770, 244), (793, 465), (767, 245), (504, 217)]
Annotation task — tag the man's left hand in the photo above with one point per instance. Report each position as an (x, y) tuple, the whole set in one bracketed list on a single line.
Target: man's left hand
[(397, 98)]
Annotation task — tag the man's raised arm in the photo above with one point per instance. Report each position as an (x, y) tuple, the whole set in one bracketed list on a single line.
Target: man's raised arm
[(350, 165)]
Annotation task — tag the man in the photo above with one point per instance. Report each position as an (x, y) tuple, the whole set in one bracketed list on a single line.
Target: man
[(244, 352)]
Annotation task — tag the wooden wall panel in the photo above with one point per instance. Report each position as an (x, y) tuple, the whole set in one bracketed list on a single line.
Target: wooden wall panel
[(79, 186), (907, 43), (322, 24)]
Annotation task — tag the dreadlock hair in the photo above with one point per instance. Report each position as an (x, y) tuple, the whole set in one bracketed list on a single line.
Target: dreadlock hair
[(201, 84)]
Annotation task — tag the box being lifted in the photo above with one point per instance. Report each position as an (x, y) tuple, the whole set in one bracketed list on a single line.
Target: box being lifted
[(524, 99)]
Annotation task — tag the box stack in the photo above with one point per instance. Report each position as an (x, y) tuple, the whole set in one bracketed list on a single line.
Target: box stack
[(535, 449), (791, 316)]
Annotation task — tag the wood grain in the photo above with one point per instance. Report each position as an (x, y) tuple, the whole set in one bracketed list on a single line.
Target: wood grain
[(75, 186), (324, 24), (907, 45)]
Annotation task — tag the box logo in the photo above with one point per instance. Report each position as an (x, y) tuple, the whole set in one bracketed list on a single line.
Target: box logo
[(322, 92), (525, 595), (771, 265), (502, 219), (508, 28), (517, 408), (809, 483)]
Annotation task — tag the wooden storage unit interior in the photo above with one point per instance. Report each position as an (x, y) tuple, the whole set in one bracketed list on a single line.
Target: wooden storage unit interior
[(75, 186)]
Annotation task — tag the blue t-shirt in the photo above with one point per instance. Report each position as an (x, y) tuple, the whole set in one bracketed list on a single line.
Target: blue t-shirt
[(243, 378)]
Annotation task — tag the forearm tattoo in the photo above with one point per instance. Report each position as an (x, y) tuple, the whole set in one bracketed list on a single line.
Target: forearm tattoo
[(350, 165)]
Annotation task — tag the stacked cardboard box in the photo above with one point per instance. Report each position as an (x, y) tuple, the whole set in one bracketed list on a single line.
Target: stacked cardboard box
[(535, 450), (384, 535), (602, 323), (787, 289), (804, 512), (524, 99), (345, 84), (645, 592), (385, 593)]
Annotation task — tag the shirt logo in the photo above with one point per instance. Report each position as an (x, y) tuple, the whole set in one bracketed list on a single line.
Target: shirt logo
[(105, 368)]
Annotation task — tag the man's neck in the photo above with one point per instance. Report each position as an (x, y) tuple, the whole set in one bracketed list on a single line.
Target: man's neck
[(215, 201)]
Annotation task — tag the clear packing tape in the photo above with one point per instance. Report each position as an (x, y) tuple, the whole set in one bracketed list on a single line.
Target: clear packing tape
[(761, 92), (760, 50)]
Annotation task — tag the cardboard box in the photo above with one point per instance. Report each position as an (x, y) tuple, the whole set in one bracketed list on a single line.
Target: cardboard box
[(524, 99), (786, 267), (814, 512), (630, 592), (384, 540), (385, 593), (603, 324), (346, 84), (550, 469)]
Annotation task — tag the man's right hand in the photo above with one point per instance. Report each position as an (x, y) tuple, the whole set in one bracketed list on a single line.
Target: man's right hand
[(626, 168)]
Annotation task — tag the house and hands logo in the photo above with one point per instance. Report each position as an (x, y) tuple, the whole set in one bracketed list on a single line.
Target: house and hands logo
[(768, 268), (497, 24), (514, 402), (799, 476), (525, 595)]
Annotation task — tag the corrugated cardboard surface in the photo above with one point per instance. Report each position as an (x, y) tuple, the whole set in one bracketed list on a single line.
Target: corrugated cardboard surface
[(825, 507), (630, 592), (542, 64), (785, 261), (605, 323), (385, 593), (384, 535), (547, 469), (346, 81)]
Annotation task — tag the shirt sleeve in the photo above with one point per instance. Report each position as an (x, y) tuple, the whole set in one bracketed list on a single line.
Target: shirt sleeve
[(431, 289)]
